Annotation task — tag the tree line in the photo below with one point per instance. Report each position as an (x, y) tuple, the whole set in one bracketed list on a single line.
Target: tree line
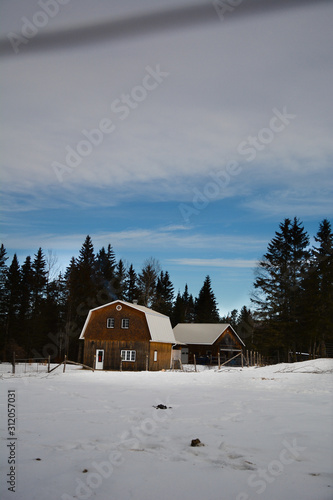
[(42, 312), (293, 293)]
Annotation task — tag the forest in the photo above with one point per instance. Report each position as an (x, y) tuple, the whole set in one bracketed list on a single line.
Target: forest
[(42, 310)]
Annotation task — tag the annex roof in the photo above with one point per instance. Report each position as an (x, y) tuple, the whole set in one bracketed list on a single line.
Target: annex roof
[(159, 324), (201, 333)]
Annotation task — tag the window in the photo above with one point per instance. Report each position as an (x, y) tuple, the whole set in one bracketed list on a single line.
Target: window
[(128, 355), (110, 323), (125, 323), (155, 355)]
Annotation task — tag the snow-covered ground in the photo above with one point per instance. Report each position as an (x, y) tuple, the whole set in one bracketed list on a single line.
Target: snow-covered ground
[(266, 432)]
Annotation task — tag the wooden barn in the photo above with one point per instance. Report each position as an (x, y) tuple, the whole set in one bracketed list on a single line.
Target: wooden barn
[(125, 336), (207, 341)]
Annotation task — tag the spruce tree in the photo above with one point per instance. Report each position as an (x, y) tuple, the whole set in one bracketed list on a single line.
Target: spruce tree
[(164, 293), (278, 287), (105, 275), (12, 301), (131, 287), (205, 304), (39, 280), (320, 283), (26, 301), (3, 308), (178, 310), (120, 280), (147, 281), (189, 305)]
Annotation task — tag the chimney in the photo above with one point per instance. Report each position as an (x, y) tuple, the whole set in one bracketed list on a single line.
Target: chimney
[(135, 301)]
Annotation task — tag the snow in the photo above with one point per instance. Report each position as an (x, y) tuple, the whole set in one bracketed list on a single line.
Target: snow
[(267, 434)]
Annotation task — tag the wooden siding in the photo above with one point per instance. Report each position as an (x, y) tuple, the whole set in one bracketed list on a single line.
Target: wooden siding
[(114, 340), (97, 329), (227, 344), (163, 361), (112, 350)]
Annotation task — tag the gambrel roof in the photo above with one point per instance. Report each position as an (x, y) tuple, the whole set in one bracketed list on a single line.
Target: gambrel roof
[(159, 325), (201, 333)]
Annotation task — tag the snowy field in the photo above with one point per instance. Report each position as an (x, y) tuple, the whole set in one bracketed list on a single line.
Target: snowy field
[(266, 433)]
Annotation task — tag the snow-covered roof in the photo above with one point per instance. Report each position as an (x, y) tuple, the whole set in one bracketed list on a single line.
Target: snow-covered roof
[(201, 333), (159, 325)]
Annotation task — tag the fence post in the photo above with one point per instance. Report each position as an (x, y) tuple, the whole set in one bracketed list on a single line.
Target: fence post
[(195, 363), (65, 363), (147, 362), (13, 369), (219, 359), (121, 364), (242, 360), (94, 363), (48, 364)]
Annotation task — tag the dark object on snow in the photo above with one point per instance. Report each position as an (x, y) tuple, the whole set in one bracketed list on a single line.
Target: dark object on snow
[(161, 407), (196, 442), (38, 459)]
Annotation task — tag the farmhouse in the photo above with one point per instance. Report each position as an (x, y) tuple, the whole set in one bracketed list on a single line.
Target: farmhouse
[(207, 341), (126, 336)]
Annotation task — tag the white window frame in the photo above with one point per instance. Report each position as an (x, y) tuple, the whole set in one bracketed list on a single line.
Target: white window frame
[(128, 355), (125, 323), (155, 355), (110, 323)]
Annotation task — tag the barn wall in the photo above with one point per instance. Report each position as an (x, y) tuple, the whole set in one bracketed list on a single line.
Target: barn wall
[(112, 350), (97, 329), (225, 344), (114, 340), (163, 356)]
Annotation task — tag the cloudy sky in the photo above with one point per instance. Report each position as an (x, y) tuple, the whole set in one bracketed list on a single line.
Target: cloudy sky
[(189, 144)]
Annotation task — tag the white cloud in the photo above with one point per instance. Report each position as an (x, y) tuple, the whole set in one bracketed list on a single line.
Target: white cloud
[(213, 99), (214, 262)]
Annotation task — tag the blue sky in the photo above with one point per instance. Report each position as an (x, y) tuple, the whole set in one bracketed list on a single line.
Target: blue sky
[(208, 137)]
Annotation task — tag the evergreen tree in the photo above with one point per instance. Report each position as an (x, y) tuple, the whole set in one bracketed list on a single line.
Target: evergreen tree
[(183, 309), (231, 318), (26, 301), (38, 336), (86, 287), (178, 311), (105, 274), (147, 281), (120, 280), (131, 287), (3, 307), (12, 300), (205, 304), (164, 293), (189, 305), (39, 280), (245, 327), (26, 290), (278, 284), (318, 292)]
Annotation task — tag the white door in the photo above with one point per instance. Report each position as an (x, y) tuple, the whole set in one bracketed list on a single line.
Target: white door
[(99, 359), (184, 355)]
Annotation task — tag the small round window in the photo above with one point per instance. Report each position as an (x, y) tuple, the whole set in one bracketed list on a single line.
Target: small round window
[(118, 307)]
